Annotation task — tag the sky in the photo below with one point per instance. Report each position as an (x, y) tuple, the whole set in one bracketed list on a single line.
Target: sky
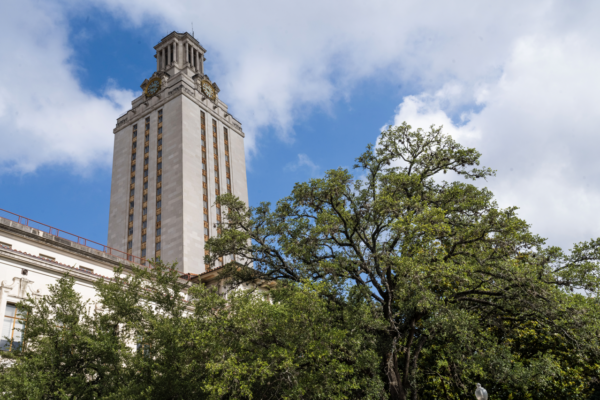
[(313, 83)]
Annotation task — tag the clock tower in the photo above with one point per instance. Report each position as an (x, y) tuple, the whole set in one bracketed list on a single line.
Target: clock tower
[(175, 150)]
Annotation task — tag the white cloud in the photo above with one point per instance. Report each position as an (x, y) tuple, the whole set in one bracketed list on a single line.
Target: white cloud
[(303, 161), (46, 117), (537, 125)]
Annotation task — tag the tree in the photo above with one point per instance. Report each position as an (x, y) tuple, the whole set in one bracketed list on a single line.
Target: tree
[(151, 335), (460, 288)]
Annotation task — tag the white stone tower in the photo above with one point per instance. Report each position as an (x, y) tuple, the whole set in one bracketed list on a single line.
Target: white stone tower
[(175, 150)]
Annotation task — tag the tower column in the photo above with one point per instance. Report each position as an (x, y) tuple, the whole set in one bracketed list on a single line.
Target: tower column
[(176, 51)]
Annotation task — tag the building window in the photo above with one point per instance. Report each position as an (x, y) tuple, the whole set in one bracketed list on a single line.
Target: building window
[(145, 211), (158, 191), (143, 238), (158, 217), (131, 192), (145, 185), (145, 173), (133, 179), (158, 204), (146, 149), (133, 168), (206, 217), (159, 165), (159, 179), (146, 160), (131, 218), (133, 156), (85, 269), (12, 328), (160, 130), (129, 245), (131, 204), (143, 252), (206, 231), (228, 181), (145, 198), (130, 232), (158, 232), (158, 246), (160, 142)]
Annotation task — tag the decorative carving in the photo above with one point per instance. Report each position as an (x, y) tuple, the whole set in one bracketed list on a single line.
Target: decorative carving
[(176, 89), (121, 122)]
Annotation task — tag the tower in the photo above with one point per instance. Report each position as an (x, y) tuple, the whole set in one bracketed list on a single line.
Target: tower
[(174, 152)]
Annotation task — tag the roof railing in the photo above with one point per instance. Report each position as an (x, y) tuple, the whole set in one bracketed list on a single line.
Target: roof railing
[(71, 237)]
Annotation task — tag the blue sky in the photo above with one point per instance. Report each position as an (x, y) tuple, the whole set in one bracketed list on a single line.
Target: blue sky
[(313, 83)]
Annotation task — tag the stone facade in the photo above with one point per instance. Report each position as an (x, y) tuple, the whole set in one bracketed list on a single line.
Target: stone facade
[(181, 100)]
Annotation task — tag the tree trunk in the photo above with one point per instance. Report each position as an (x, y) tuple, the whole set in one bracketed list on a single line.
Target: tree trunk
[(393, 375)]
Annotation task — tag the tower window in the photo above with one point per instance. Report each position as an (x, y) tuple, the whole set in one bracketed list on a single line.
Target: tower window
[(159, 178), (159, 165), (160, 130), (158, 204), (133, 179), (158, 246), (158, 232), (129, 245), (158, 218)]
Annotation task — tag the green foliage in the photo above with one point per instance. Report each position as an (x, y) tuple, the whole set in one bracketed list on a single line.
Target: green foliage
[(460, 290), (153, 336)]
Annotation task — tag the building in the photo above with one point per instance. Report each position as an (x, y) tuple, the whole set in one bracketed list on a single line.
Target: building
[(174, 152)]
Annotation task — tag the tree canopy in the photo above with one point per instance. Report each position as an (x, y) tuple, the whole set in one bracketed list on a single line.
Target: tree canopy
[(460, 289)]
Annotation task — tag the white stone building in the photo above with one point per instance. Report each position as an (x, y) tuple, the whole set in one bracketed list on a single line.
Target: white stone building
[(174, 152)]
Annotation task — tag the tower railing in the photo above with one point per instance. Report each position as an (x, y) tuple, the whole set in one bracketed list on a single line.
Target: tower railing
[(71, 237)]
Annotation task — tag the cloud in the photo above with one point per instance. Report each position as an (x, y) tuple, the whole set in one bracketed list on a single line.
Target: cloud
[(46, 117), (537, 125), (303, 161)]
